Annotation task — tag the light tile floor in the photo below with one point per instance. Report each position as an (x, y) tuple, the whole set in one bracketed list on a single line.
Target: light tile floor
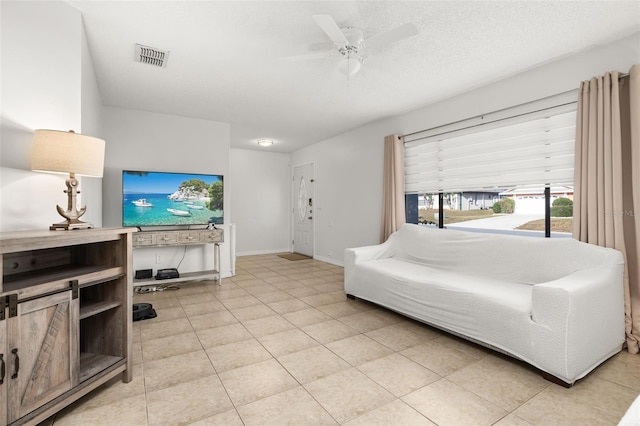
[(279, 344)]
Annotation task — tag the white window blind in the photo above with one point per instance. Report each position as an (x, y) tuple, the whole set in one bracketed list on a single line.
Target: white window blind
[(529, 149)]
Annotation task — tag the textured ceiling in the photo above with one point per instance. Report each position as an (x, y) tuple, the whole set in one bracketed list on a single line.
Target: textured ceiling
[(226, 57)]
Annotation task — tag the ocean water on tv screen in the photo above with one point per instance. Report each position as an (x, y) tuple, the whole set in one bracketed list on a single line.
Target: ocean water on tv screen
[(158, 214)]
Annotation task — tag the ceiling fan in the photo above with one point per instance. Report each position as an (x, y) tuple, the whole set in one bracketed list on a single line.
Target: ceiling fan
[(350, 44)]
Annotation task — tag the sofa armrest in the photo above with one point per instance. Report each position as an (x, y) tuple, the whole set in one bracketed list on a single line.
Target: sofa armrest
[(580, 313), (354, 256), (362, 254)]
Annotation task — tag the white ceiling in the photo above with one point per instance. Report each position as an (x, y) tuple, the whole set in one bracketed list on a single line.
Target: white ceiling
[(225, 61)]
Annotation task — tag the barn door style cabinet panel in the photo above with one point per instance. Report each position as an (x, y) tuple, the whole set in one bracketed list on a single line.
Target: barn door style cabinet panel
[(65, 318)]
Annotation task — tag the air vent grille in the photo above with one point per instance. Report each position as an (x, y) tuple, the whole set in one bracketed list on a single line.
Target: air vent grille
[(151, 56)]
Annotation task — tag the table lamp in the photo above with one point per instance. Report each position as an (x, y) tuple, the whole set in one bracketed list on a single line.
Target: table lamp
[(68, 152)]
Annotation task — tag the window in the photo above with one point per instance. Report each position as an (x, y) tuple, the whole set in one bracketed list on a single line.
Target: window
[(498, 172)]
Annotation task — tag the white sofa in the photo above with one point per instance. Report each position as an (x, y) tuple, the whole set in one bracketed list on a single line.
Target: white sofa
[(555, 303)]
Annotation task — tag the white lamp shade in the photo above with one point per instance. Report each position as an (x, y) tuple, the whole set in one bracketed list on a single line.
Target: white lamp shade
[(67, 152)]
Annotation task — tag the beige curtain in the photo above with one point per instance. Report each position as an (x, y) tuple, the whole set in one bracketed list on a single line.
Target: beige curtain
[(607, 178), (393, 215)]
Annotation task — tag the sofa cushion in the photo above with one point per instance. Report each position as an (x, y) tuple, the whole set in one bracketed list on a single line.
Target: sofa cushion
[(484, 308)]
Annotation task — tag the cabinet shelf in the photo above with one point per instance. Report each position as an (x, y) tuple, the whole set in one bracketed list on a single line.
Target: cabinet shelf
[(188, 276), (91, 309), (92, 364), (59, 275)]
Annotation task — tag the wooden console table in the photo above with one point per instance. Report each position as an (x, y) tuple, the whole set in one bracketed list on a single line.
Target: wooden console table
[(65, 318), (147, 239)]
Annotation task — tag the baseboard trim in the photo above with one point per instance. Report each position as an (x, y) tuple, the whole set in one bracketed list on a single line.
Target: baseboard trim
[(287, 250), (329, 260), (259, 252)]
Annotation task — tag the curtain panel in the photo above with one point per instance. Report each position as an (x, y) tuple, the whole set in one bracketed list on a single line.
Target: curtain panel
[(393, 211), (607, 178)]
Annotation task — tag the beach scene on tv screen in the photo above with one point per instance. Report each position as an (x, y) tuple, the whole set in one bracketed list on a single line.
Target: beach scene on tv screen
[(160, 199)]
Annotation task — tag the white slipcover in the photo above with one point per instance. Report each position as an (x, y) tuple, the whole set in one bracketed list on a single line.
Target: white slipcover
[(555, 303)]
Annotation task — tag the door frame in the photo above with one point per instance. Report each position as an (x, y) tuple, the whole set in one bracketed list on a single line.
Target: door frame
[(293, 200)]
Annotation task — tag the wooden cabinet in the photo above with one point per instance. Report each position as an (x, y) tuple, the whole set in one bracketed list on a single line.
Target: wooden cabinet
[(149, 239), (65, 318)]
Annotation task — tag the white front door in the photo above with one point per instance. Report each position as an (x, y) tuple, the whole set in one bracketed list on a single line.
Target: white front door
[(303, 209)]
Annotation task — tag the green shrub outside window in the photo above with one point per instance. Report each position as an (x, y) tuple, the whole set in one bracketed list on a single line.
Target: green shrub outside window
[(562, 207)]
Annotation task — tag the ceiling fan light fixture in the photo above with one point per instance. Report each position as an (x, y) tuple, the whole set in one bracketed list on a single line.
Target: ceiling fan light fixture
[(349, 66), (351, 44)]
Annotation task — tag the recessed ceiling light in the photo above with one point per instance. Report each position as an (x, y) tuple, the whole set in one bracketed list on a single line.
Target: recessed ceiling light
[(265, 142)]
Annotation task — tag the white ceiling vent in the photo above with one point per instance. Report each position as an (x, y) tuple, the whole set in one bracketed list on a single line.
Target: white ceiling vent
[(151, 56)]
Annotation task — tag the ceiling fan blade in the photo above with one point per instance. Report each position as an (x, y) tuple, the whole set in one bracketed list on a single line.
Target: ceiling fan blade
[(332, 30), (320, 46), (391, 36), (307, 57)]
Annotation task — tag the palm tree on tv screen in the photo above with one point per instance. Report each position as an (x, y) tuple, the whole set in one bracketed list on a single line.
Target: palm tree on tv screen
[(216, 195)]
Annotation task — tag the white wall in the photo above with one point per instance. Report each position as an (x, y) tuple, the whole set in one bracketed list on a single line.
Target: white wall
[(139, 140), (347, 194), (546, 80), (42, 65), (260, 193), (348, 167), (91, 116)]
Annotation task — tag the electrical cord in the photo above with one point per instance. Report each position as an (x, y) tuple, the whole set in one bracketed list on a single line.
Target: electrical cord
[(151, 289), (184, 253)]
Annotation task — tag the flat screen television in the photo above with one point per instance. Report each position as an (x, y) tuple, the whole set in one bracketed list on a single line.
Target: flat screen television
[(171, 199)]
